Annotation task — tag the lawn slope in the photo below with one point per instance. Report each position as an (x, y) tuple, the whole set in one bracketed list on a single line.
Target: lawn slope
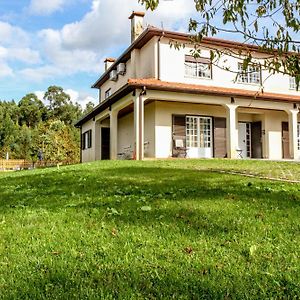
[(147, 230)]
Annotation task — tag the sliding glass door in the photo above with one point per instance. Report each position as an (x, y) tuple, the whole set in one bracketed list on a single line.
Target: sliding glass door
[(199, 137)]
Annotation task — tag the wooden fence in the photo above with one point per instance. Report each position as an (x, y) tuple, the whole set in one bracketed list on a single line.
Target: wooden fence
[(22, 164)]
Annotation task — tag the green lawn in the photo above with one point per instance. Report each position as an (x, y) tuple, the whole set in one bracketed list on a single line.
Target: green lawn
[(150, 230)]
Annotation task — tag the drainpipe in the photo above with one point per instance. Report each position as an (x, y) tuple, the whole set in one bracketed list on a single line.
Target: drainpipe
[(158, 55)]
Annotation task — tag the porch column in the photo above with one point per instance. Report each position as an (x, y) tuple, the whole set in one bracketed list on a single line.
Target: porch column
[(231, 130), (293, 113), (139, 127), (113, 134)]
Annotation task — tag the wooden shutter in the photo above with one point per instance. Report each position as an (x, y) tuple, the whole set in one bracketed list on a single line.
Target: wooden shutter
[(89, 138), (285, 140), (220, 148), (82, 141), (256, 140), (179, 133)]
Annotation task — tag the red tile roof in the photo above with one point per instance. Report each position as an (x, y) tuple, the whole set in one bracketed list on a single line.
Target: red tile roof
[(156, 84)]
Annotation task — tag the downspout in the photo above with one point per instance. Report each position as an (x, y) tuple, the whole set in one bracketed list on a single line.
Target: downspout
[(158, 55)]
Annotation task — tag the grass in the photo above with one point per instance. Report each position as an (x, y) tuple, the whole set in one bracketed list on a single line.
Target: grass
[(149, 230)]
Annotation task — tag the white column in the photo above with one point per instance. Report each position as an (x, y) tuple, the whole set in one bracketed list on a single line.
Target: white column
[(139, 127), (113, 134), (231, 130), (293, 113)]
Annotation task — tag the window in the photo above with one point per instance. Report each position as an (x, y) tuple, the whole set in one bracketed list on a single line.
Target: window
[(292, 83), (198, 132), (107, 93), (198, 67), (298, 135), (86, 140), (251, 75)]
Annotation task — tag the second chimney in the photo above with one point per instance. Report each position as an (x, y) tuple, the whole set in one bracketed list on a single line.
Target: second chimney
[(108, 62), (137, 27)]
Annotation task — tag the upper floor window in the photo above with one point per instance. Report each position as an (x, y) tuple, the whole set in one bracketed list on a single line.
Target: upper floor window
[(86, 140), (198, 67), (292, 83), (251, 75), (107, 93)]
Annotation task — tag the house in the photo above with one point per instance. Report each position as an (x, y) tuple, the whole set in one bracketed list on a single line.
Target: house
[(156, 101)]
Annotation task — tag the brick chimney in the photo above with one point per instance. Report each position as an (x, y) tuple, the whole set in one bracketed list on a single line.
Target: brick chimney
[(108, 62), (137, 27)]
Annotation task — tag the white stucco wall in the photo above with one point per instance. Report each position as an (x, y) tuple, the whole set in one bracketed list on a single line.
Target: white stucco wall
[(89, 154)]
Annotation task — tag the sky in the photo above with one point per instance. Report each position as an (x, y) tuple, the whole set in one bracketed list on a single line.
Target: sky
[(64, 42)]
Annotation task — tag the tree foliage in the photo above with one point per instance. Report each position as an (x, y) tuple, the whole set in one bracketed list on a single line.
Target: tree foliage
[(31, 126), (272, 25)]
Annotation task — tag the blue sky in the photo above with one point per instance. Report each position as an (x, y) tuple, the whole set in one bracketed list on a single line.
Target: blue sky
[(64, 42)]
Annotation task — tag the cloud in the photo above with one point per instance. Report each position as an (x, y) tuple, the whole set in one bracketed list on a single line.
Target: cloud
[(45, 7), (13, 35), (25, 55), (107, 24), (5, 70)]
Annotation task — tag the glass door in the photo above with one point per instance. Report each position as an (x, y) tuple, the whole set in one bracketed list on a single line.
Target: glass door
[(199, 137)]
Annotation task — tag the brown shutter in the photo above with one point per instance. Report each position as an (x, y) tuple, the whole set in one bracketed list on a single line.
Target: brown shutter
[(179, 133), (285, 140), (256, 140), (82, 141), (90, 139), (220, 150)]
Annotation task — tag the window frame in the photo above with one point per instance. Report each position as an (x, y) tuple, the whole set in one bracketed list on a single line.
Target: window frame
[(199, 64), (86, 140), (246, 76), (107, 93), (292, 83)]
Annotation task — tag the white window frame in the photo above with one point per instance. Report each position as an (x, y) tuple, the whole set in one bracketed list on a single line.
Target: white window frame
[(252, 75), (198, 69), (292, 83), (199, 132)]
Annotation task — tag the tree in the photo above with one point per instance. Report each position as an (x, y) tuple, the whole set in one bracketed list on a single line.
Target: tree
[(271, 25), (88, 108), (60, 105), (32, 110)]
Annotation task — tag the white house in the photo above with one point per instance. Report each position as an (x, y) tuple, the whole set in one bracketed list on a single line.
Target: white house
[(156, 101)]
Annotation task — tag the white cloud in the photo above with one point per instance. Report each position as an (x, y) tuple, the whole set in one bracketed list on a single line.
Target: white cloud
[(5, 70), (25, 55), (13, 35), (45, 7)]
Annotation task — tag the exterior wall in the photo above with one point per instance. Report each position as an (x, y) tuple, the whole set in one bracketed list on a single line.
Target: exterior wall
[(140, 65), (172, 69), (163, 122), (89, 154), (126, 131)]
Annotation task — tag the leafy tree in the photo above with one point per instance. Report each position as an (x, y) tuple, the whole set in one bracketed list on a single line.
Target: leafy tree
[(88, 108), (272, 25), (32, 110), (60, 105)]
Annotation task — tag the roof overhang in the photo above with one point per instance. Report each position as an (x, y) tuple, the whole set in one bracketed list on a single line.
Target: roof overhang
[(158, 85)]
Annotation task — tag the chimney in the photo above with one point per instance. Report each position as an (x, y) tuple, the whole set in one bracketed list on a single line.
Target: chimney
[(137, 27), (108, 62)]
